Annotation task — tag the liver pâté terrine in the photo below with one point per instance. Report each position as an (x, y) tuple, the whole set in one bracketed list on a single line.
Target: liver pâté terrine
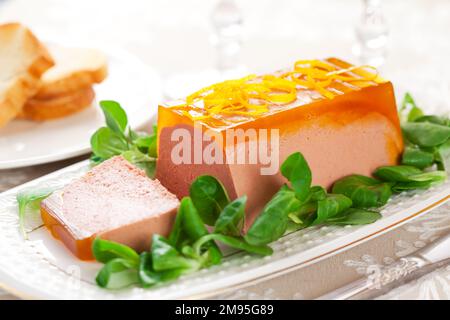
[(342, 118), (114, 200)]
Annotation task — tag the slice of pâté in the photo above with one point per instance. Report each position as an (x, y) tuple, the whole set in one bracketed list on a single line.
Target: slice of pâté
[(115, 201)]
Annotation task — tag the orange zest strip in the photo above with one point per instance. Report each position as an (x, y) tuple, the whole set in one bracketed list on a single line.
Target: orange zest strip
[(251, 96)]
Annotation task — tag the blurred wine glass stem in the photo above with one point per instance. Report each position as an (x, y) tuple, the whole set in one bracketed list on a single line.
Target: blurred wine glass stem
[(226, 21), (372, 34)]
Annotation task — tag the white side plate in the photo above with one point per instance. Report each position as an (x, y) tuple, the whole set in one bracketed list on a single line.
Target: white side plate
[(41, 267), (130, 82)]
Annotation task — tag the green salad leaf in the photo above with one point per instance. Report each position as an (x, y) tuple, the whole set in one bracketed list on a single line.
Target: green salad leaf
[(209, 197), (141, 160), (272, 222), (105, 251), (426, 134), (417, 158), (305, 215), (421, 181), (443, 156), (297, 171), (414, 111), (426, 137), (30, 199), (146, 143), (412, 185), (233, 242), (116, 118), (443, 121), (118, 139), (409, 178), (231, 219), (365, 192), (397, 173), (167, 257), (407, 174), (317, 193), (106, 144), (353, 216), (116, 274), (189, 227), (149, 277), (329, 207), (433, 176)]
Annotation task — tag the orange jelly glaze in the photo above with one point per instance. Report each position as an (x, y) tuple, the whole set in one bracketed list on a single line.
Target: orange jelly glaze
[(81, 248), (353, 102), (375, 99)]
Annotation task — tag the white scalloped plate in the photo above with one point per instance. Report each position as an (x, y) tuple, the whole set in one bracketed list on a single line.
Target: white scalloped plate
[(42, 268), (129, 81)]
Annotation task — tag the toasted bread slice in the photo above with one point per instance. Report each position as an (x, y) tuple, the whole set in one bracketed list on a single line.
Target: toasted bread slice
[(75, 69), (23, 59), (57, 107)]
